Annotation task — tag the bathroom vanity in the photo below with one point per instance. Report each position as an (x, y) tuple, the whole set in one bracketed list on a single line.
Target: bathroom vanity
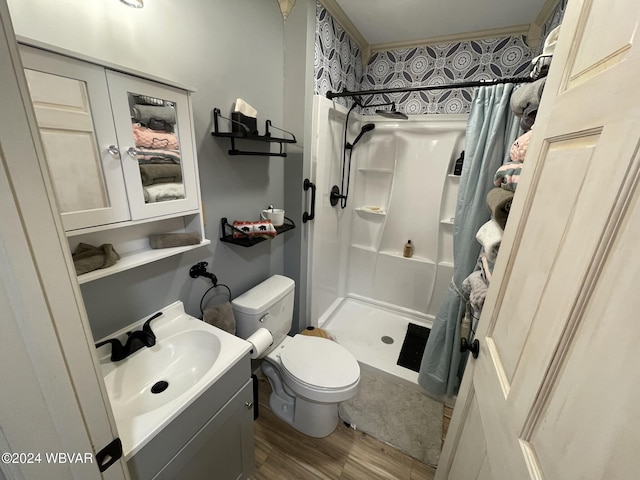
[(184, 406), (121, 153)]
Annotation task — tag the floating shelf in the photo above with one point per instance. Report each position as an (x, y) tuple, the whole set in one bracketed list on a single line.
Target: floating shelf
[(246, 240), (233, 136), (135, 259)]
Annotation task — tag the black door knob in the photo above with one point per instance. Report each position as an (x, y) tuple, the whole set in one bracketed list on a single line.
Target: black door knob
[(473, 347)]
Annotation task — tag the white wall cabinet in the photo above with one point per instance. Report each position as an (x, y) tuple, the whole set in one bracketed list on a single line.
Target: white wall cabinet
[(121, 155)]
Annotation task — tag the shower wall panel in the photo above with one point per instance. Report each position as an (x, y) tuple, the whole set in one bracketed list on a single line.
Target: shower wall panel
[(401, 189)]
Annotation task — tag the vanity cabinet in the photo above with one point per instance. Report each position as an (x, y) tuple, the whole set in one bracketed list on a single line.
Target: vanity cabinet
[(212, 438), (107, 164), (121, 155)]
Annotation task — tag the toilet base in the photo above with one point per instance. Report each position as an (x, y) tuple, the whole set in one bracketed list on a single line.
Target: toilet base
[(308, 417)]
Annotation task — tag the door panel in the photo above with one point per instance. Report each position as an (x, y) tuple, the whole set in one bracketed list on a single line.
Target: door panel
[(71, 102), (554, 382)]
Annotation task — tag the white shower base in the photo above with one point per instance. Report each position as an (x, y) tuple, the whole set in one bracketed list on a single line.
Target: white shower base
[(360, 324), (389, 405)]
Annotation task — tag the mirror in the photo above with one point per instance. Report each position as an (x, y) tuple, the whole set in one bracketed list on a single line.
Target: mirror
[(157, 147)]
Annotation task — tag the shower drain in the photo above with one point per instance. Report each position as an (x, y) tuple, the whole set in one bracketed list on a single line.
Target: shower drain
[(159, 387), (386, 339)]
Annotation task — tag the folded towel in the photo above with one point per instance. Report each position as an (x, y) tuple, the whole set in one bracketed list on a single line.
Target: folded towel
[(145, 113), (262, 228), (527, 96), (148, 138), (508, 176), (499, 203), (147, 100), (489, 236), (221, 316), (519, 148), (163, 192), (154, 173), (476, 289), (168, 240), (157, 155), (88, 258)]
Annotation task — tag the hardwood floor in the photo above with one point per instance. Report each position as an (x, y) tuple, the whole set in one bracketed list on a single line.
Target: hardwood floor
[(283, 453)]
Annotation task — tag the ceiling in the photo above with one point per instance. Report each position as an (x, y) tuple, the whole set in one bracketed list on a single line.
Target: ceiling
[(384, 23)]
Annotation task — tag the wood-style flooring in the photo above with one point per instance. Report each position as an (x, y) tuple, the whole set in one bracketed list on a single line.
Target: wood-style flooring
[(283, 453)]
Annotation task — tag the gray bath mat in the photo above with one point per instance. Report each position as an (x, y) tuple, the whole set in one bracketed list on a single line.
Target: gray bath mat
[(413, 347)]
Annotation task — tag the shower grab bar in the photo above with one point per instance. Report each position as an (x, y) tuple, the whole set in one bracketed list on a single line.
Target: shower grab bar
[(309, 185)]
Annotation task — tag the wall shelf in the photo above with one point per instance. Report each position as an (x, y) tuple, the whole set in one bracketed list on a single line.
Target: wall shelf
[(267, 137), (246, 240), (135, 259)]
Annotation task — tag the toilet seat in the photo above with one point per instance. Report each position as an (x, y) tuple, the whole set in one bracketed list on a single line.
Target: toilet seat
[(318, 369)]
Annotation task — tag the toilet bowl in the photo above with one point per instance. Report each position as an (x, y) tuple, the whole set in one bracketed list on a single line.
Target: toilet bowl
[(309, 375)]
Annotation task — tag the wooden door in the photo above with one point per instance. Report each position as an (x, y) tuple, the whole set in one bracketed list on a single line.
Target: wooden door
[(71, 101), (554, 392), (53, 397)]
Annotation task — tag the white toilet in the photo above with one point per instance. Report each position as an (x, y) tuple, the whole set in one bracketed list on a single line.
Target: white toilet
[(309, 375)]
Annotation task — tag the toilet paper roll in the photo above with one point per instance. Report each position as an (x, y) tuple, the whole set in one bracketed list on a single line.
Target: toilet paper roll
[(260, 341)]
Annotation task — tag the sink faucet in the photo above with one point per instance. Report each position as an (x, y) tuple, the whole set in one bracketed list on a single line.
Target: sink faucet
[(135, 341)]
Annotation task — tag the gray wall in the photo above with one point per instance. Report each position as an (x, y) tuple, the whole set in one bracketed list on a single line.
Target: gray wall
[(225, 49)]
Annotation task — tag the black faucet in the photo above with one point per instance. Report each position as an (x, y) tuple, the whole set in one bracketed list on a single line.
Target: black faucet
[(135, 341)]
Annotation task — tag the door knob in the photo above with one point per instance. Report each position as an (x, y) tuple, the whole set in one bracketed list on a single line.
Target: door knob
[(133, 153), (113, 150), (473, 347)]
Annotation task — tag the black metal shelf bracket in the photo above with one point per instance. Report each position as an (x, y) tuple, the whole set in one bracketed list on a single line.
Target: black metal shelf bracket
[(245, 134)]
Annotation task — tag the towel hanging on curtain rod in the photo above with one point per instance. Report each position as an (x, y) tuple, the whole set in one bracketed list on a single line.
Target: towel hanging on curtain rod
[(446, 86)]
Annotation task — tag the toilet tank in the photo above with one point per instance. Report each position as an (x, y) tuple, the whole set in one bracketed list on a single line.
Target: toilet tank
[(267, 305)]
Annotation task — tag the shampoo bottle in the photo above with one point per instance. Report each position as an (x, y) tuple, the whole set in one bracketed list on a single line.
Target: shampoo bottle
[(408, 249)]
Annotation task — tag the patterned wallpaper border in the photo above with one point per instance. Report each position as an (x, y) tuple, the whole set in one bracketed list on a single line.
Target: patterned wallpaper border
[(338, 66)]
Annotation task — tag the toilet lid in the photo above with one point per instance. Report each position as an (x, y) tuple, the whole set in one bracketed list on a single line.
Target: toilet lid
[(320, 362)]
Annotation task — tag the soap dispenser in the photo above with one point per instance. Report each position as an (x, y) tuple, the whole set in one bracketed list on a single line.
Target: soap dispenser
[(408, 249)]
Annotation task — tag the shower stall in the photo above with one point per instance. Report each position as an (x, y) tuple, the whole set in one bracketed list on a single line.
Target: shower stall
[(401, 187)]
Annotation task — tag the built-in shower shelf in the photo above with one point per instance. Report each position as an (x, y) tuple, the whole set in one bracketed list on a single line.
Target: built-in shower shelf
[(445, 264), (375, 170), (451, 175), (371, 211), (415, 258), (447, 221), (364, 247)]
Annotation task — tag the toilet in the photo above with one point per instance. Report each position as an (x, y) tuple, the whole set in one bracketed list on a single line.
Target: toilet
[(309, 375)]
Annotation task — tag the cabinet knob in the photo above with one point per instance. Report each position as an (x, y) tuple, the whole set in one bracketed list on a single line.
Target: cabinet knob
[(133, 153), (248, 405), (113, 150)]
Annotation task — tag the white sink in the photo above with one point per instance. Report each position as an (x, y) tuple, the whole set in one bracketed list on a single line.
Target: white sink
[(188, 357)]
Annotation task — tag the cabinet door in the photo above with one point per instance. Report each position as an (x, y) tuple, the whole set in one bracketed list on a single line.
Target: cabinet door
[(223, 449), (73, 111), (153, 124)]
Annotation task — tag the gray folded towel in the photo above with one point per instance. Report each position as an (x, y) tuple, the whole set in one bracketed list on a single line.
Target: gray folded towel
[(527, 98), (168, 240), (221, 316), (145, 113), (153, 173), (88, 258)]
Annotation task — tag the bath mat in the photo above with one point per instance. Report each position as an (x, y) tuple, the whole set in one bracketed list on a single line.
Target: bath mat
[(413, 347)]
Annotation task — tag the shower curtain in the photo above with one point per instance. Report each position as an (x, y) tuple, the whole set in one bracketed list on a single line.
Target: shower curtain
[(491, 130)]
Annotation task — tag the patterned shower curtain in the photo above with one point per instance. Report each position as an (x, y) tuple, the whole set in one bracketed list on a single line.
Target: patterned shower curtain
[(491, 129)]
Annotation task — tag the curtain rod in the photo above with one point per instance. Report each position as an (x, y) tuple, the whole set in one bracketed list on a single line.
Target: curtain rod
[(477, 83)]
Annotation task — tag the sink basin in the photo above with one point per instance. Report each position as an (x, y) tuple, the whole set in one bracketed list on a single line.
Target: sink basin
[(151, 387), (151, 377)]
